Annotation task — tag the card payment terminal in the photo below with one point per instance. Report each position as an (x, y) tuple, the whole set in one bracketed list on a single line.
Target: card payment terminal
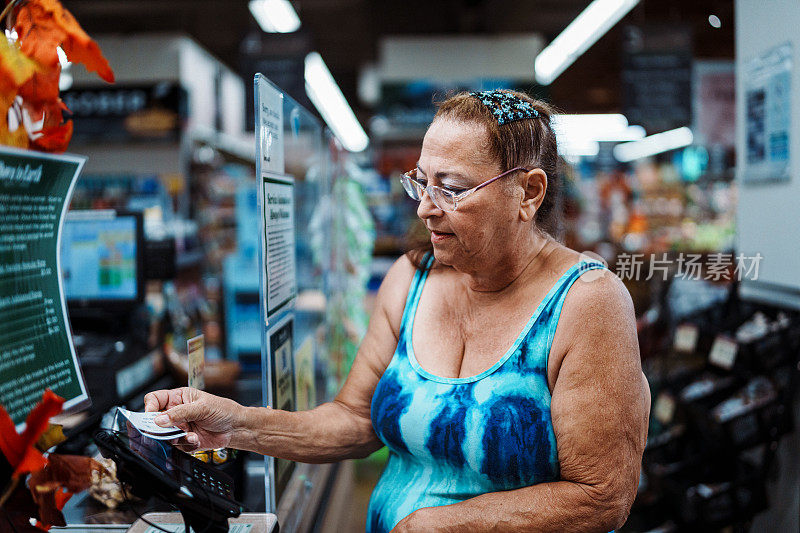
[(203, 494)]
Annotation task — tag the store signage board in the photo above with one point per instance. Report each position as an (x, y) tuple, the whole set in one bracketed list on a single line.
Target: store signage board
[(127, 112), (269, 126), (276, 202), (36, 350), (278, 243), (278, 286), (768, 116), (656, 76), (278, 384)]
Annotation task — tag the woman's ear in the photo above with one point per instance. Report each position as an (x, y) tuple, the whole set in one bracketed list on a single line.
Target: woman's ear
[(534, 187)]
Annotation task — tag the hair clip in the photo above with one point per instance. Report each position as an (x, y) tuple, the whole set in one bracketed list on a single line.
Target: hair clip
[(506, 107)]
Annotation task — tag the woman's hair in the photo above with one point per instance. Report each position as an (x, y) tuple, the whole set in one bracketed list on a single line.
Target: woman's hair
[(529, 143)]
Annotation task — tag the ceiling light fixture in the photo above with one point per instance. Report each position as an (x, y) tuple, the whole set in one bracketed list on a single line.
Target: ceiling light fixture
[(326, 96), (613, 127), (579, 148), (654, 144), (583, 32), (714, 21), (275, 16)]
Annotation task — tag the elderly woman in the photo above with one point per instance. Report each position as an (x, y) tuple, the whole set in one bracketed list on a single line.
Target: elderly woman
[(511, 397)]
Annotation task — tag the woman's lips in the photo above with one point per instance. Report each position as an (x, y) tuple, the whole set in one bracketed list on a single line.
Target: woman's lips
[(438, 236)]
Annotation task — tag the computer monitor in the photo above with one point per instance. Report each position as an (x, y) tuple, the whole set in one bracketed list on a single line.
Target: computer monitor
[(101, 259)]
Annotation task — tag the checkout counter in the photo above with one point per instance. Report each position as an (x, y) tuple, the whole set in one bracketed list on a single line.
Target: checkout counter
[(122, 358), (129, 328), (123, 355), (135, 293)]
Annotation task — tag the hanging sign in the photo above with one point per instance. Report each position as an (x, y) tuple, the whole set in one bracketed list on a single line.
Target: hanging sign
[(36, 352)]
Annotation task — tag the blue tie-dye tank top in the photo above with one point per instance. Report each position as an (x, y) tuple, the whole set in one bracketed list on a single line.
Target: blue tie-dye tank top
[(451, 439)]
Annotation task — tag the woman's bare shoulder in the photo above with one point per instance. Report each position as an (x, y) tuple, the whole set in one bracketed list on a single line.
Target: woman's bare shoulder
[(597, 305), (394, 289)]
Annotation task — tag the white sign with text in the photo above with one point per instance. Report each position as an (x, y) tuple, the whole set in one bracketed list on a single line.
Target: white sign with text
[(269, 126), (280, 284)]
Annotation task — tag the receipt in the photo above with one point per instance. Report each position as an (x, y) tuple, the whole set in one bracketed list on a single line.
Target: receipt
[(144, 423)]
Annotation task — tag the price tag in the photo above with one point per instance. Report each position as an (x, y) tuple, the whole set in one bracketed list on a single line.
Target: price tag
[(195, 349), (723, 352), (664, 409), (685, 339)]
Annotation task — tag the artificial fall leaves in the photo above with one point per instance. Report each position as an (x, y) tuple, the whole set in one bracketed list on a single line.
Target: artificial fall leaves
[(30, 70), (52, 480), (53, 485), (19, 450)]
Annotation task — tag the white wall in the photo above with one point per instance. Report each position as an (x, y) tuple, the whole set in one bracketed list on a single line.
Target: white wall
[(768, 221), (459, 58), (768, 215), (135, 59)]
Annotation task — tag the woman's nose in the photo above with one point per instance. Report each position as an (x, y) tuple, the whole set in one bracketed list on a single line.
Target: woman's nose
[(427, 208)]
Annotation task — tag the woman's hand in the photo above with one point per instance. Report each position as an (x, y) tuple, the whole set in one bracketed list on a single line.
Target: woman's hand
[(209, 421)]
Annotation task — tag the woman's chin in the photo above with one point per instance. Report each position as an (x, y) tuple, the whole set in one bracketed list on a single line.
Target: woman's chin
[(443, 255)]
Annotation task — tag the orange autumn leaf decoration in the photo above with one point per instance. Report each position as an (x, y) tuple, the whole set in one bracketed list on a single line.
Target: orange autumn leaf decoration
[(15, 69), (52, 480), (77, 45), (52, 486), (41, 27), (18, 449)]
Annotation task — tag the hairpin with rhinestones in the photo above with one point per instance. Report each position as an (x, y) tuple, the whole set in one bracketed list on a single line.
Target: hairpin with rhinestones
[(506, 107)]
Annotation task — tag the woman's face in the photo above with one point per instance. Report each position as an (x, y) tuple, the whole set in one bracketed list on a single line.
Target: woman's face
[(455, 156)]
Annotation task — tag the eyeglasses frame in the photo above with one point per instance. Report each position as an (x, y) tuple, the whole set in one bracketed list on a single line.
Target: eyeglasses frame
[(412, 176)]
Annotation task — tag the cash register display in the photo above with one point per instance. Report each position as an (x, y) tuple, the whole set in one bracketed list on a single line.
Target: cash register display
[(99, 258)]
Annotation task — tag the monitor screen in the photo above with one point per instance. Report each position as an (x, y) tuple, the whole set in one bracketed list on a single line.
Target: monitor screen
[(99, 257)]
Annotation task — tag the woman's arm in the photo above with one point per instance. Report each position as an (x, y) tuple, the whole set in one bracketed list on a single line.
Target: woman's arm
[(600, 407), (336, 430)]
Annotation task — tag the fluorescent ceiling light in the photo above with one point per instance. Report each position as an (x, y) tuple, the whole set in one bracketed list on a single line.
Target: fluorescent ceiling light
[(631, 133), (576, 38), (585, 148), (275, 16), (571, 129), (594, 121), (331, 104), (654, 144), (588, 126)]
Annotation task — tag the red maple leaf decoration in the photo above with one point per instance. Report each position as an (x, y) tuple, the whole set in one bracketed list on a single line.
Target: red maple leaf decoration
[(18, 449), (42, 26)]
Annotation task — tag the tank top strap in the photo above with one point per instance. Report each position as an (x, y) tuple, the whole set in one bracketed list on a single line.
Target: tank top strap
[(554, 301), (415, 291)]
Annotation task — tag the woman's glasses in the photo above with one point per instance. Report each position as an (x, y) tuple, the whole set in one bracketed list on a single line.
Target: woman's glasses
[(442, 198)]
